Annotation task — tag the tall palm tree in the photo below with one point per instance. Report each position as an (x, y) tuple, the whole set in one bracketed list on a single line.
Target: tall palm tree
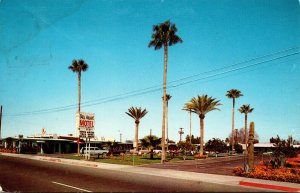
[(78, 66), (164, 35), (246, 109), (136, 113), (233, 94), (202, 105)]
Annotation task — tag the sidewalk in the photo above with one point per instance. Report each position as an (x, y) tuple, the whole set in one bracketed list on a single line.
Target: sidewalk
[(265, 185)]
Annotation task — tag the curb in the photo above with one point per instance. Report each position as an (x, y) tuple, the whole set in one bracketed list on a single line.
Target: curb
[(58, 160), (269, 186)]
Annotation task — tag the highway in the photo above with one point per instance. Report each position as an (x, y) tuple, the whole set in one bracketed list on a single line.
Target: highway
[(25, 175)]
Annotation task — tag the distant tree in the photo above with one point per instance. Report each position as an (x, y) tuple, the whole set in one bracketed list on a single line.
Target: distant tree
[(151, 142), (164, 35), (201, 105), (171, 141), (111, 145), (240, 138), (291, 141), (193, 139), (216, 145), (284, 148), (272, 140), (233, 94), (136, 113), (238, 148), (185, 145)]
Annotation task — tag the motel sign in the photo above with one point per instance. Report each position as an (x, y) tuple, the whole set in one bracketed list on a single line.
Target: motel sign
[(85, 123)]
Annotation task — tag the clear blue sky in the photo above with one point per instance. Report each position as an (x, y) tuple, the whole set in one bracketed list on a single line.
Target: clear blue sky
[(39, 40)]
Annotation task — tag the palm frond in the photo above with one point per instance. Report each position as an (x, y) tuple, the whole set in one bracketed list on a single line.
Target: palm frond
[(202, 105), (246, 109), (136, 113), (234, 93), (164, 33), (78, 66)]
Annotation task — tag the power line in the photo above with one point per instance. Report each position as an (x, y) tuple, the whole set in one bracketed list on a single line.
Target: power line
[(159, 87), (236, 69), (236, 64)]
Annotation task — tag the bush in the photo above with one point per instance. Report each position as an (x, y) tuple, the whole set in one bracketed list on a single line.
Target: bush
[(198, 156)]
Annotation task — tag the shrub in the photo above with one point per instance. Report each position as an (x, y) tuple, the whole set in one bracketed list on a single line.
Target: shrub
[(198, 156)]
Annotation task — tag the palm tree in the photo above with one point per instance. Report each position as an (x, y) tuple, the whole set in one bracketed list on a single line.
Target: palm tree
[(233, 94), (78, 66), (246, 109), (151, 142), (202, 105), (111, 145), (136, 113), (164, 36)]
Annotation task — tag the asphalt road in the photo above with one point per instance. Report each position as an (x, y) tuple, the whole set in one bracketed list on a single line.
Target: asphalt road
[(221, 165), (24, 175)]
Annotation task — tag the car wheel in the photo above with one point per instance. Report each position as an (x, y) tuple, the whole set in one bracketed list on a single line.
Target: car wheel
[(104, 155)]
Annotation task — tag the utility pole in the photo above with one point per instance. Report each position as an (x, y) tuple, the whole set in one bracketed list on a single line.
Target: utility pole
[(150, 132), (120, 136), (180, 132), (0, 121)]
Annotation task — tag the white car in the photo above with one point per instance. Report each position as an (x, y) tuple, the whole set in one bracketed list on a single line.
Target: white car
[(94, 151), (157, 151)]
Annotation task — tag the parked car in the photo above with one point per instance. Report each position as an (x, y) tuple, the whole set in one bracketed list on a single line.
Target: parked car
[(157, 151), (94, 151), (143, 151), (120, 152)]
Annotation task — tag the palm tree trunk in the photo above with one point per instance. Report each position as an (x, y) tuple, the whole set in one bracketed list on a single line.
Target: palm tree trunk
[(232, 136), (79, 96), (167, 125), (246, 133), (190, 127), (136, 136), (79, 90), (163, 138), (201, 135)]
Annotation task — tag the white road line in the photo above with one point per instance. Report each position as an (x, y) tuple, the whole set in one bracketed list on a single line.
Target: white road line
[(71, 187)]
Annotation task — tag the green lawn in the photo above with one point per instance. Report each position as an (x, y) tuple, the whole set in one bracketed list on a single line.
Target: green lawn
[(131, 160), (138, 160)]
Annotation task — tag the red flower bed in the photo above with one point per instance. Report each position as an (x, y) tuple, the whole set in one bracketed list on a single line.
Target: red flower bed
[(294, 162), (262, 172), (7, 150)]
